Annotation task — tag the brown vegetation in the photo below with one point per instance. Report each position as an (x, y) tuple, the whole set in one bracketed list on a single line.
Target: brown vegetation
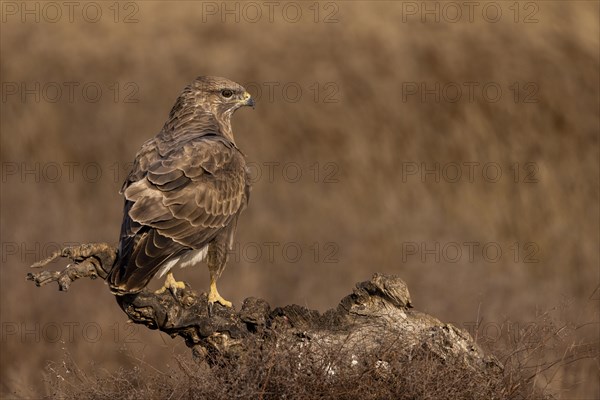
[(373, 345), (356, 216)]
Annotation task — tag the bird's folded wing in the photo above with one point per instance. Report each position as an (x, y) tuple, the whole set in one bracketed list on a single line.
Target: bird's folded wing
[(181, 203), (192, 193)]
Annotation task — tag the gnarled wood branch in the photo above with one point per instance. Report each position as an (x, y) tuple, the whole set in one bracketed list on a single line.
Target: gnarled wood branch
[(378, 312)]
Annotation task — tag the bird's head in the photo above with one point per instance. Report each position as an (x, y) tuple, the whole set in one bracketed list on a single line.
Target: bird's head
[(206, 104), (220, 96)]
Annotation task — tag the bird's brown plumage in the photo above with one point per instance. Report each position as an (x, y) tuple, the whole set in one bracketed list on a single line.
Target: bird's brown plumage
[(186, 190)]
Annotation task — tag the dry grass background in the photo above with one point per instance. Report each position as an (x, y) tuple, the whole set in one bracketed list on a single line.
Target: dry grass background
[(369, 213)]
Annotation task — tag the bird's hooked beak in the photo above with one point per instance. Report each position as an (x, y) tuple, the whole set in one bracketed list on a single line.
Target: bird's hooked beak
[(247, 100)]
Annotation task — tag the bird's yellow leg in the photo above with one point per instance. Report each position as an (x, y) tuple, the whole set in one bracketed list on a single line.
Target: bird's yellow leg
[(214, 296), (171, 284)]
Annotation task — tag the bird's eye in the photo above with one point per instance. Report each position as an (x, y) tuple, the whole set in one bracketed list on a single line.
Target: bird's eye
[(226, 93)]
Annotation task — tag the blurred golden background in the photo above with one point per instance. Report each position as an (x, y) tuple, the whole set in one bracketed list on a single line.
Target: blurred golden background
[(456, 147)]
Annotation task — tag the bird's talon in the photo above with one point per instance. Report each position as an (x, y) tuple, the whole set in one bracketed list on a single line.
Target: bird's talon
[(216, 298), (171, 285)]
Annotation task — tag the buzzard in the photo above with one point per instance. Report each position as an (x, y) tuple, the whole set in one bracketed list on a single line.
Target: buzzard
[(185, 192)]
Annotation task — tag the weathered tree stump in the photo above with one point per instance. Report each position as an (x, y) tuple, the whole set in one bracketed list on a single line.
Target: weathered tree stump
[(377, 313)]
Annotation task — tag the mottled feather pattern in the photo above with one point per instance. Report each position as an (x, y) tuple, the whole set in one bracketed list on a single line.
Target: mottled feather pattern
[(186, 189)]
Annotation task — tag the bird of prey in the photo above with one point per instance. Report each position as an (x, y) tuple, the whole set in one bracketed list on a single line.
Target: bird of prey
[(185, 192)]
